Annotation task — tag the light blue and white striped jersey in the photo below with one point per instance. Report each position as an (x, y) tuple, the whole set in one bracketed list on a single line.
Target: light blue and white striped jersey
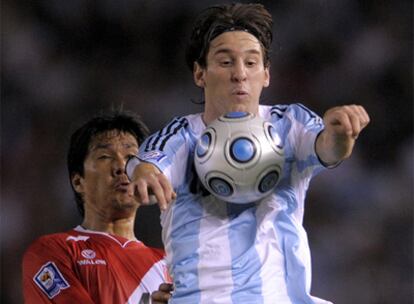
[(220, 252)]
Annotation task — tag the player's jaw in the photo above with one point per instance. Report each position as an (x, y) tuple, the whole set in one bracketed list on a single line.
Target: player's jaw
[(241, 100), (226, 103), (120, 192), (239, 104), (123, 190)]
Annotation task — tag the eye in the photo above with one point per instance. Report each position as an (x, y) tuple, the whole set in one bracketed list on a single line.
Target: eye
[(104, 156), (251, 63), (129, 156), (224, 61)]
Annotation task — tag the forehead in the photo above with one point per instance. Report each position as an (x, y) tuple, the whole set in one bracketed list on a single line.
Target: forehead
[(112, 138), (236, 41)]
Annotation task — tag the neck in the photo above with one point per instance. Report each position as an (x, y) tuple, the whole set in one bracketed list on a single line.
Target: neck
[(208, 118), (211, 112), (123, 227)]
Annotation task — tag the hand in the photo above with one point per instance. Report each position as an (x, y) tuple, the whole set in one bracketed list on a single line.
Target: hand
[(163, 294), (343, 125), (149, 180)]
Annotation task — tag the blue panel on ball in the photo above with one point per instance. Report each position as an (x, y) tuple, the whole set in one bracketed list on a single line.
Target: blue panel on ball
[(242, 150), (203, 144), (275, 137), (236, 114), (220, 186), (268, 181)]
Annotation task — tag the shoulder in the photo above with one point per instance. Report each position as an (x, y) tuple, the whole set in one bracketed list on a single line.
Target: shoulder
[(150, 253), (45, 253), (176, 124), (49, 244), (277, 111), (195, 122), (49, 239), (295, 111), (159, 253)]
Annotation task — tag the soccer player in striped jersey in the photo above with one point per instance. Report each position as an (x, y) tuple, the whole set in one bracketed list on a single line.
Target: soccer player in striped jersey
[(101, 260), (255, 253)]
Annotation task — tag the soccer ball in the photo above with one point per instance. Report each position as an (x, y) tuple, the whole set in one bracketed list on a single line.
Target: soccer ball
[(239, 158)]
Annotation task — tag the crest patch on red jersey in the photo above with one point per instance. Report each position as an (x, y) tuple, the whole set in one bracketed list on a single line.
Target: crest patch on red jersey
[(50, 280)]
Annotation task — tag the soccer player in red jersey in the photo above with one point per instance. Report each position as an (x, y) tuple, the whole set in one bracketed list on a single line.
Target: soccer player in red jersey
[(101, 260)]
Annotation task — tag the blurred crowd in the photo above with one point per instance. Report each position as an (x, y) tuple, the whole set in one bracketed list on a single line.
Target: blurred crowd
[(64, 61)]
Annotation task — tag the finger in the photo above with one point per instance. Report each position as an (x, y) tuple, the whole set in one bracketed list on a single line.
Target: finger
[(355, 121), (168, 189), (363, 116), (340, 122), (358, 112), (157, 190), (141, 189), (160, 297), (167, 287)]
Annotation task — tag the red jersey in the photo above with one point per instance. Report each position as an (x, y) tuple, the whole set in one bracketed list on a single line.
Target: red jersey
[(83, 266)]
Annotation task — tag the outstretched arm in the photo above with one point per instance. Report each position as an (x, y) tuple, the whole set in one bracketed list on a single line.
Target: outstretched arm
[(148, 179), (343, 125)]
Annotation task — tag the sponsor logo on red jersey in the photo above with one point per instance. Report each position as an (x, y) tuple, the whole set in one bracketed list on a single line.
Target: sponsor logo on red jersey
[(90, 258)]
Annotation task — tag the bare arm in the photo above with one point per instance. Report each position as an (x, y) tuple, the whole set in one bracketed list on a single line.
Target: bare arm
[(148, 179), (343, 125)]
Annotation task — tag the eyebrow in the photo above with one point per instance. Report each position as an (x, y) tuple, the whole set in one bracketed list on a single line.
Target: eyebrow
[(227, 51), (108, 146)]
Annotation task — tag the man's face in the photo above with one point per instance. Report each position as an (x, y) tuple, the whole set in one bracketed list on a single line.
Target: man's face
[(234, 76), (104, 185)]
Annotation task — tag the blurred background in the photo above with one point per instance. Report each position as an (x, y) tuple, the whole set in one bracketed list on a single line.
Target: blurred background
[(64, 61)]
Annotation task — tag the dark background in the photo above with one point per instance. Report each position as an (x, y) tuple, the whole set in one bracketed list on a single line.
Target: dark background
[(64, 61)]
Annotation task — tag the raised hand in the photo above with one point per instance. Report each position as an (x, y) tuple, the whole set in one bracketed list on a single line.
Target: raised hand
[(343, 125), (152, 185)]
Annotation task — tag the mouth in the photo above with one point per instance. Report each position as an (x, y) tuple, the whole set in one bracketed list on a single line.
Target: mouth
[(239, 92), (122, 186)]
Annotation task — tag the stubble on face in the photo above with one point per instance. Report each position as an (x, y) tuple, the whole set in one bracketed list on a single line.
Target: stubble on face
[(109, 191)]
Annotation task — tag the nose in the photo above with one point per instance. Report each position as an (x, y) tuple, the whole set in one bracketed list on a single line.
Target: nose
[(239, 72), (118, 167)]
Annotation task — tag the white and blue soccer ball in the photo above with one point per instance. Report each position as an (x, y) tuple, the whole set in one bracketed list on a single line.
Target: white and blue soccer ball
[(239, 158)]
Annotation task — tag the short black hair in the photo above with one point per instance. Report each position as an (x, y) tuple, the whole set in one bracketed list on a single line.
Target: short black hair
[(215, 20), (82, 137)]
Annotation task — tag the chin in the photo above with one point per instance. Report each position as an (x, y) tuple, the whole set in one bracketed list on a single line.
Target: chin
[(126, 203), (125, 209), (240, 107)]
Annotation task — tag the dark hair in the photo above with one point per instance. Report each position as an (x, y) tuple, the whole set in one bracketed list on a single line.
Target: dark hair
[(83, 136), (215, 20)]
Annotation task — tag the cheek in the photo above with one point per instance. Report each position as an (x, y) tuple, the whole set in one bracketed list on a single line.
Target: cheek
[(95, 184), (215, 79), (261, 79)]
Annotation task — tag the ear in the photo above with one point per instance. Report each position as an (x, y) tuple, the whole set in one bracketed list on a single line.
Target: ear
[(77, 183), (198, 74), (266, 81)]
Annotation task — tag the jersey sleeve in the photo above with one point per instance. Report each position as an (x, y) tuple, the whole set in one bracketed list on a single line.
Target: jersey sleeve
[(301, 128), (48, 275), (168, 150)]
